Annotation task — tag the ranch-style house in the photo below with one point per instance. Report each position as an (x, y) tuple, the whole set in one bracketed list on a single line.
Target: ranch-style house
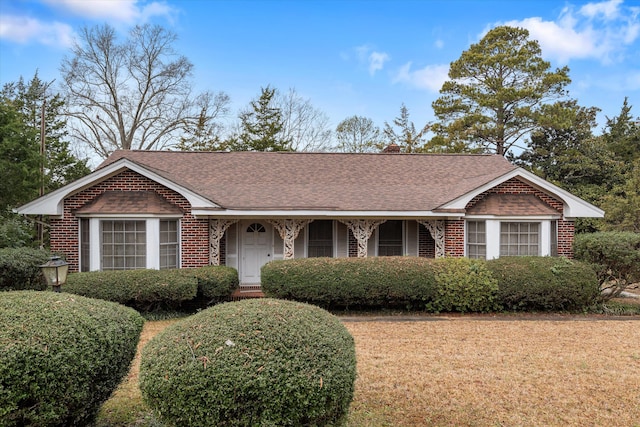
[(162, 209)]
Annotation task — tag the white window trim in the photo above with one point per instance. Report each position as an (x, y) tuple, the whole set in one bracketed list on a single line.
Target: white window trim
[(492, 230), (152, 240)]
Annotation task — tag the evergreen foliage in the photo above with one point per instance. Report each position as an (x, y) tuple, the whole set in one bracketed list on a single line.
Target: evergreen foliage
[(261, 362), (61, 356)]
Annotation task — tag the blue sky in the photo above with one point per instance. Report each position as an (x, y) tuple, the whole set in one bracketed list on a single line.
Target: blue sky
[(347, 57)]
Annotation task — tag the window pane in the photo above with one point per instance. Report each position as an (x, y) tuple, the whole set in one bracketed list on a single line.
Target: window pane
[(85, 245), (169, 244), (320, 239), (123, 244), (519, 238), (476, 239), (390, 238)]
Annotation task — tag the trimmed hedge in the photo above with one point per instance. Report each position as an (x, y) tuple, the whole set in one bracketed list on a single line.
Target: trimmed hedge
[(462, 285), (544, 283), (374, 282), (19, 269), (615, 256), (143, 290), (215, 282), (259, 362), (61, 356)]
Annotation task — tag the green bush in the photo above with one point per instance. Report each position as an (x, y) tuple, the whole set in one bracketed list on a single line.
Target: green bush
[(614, 255), (144, 290), (463, 285), (215, 282), (259, 362), (346, 282), (19, 269), (61, 356), (544, 283)]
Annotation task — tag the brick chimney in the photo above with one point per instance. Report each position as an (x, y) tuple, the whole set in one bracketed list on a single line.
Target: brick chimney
[(392, 148)]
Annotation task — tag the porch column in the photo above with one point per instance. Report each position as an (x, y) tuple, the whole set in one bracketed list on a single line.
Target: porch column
[(362, 230), (217, 227), (289, 230), (436, 229)]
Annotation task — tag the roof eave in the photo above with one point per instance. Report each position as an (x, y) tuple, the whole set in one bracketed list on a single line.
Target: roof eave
[(314, 213)]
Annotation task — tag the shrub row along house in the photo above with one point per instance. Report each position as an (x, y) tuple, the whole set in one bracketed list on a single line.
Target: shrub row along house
[(161, 209)]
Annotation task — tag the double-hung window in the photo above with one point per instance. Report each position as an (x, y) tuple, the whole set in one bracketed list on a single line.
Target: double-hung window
[(476, 239), (169, 245)]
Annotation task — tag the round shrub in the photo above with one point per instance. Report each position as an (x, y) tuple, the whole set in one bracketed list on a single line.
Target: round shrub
[(544, 283), (61, 356), (464, 285), (20, 269), (259, 362), (347, 282)]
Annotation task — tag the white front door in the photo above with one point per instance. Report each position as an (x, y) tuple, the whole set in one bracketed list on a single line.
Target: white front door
[(256, 250)]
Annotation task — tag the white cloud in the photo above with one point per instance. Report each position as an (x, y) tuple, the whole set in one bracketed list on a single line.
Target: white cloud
[(429, 78), (439, 44), (373, 59), (560, 40), (608, 10), (376, 61), (599, 31), (125, 11), (22, 29)]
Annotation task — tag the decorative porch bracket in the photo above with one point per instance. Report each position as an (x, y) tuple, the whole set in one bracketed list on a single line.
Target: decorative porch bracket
[(362, 230), (217, 227), (289, 230), (436, 229)]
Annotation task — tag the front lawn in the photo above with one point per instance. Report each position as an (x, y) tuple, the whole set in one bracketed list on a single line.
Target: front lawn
[(551, 370)]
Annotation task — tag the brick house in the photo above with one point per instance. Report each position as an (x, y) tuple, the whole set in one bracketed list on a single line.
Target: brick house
[(161, 209)]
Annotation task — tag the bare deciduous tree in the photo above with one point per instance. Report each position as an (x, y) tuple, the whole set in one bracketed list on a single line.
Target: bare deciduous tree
[(136, 94), (358, 134), (304, 125)]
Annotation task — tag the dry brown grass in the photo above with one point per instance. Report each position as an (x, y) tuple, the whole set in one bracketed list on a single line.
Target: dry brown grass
[(474, 371), (125, 407), (479, 372)]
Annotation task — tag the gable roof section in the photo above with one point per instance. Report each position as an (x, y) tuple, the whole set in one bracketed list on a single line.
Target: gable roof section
[(574, 207), (296, 183), (52, 203)]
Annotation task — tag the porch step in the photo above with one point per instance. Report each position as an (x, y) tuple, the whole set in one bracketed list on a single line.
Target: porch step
[(247, 291)]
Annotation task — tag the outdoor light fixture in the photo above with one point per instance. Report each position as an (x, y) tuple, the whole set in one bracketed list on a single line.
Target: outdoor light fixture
[(55, 271)]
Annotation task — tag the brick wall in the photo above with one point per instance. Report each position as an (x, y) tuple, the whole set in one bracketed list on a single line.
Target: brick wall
[(426, 244), (454, 238), (194, 232)]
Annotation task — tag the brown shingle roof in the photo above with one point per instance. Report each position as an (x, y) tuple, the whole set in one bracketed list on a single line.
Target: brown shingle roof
[(337, 181), (129, 202), (511, 204)]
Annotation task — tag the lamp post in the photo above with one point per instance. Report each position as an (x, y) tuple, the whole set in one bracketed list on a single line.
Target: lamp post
[(55, 271)]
